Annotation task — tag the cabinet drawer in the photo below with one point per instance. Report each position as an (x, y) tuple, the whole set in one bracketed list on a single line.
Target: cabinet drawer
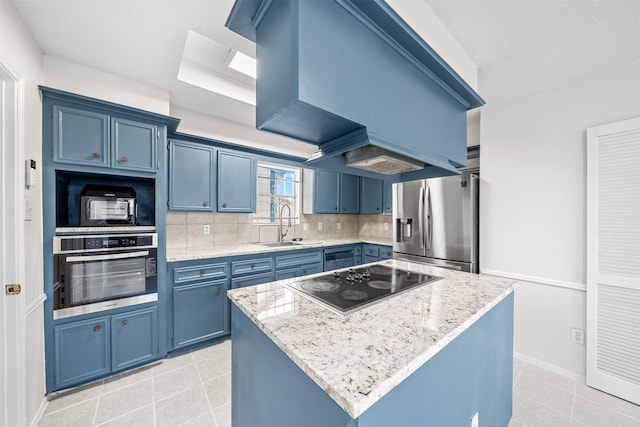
[(386, 253), (371, 250), (198, 272), (368, 259), (284, 261), (255, 279), (251, 266)]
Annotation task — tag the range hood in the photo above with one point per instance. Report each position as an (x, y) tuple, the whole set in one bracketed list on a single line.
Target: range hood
[(351, 77)]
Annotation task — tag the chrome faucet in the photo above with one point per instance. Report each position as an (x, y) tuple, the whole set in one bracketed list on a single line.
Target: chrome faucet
[(281, 235)]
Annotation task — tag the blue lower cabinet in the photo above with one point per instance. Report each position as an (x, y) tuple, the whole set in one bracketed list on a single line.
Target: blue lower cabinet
[(385, 253), (200, 312), (134, 338), (83, 351), (368, 259), (373, 253), (289, 273), (305, 270), (255, 279)]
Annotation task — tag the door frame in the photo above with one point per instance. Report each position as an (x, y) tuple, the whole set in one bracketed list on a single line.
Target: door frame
[(12, 313)]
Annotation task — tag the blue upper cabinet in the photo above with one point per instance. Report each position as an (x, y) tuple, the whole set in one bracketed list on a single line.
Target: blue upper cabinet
[(370, 195), (387, 197), (80, 137), (134, 145), (349, 194), (326, 192), (191, 176), (236, 182)]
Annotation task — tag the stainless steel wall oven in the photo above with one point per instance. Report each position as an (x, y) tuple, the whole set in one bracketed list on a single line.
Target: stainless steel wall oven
[(99, 272)]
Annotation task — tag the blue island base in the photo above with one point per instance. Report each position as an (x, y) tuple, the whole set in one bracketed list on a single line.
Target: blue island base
[(471, 374)]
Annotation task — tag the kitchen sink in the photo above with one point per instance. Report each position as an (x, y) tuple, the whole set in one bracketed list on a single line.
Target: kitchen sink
[(278, 244)]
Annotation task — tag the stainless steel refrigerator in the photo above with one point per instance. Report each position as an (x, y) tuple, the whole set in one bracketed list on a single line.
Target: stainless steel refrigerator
[(436, 221)]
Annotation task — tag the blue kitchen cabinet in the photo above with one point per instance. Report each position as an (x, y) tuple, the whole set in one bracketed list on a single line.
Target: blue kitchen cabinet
[(255, 279), (298, 263), (371, 195), (200, 312), (373, 253), (326, 192), (134, 338), (349, 194), (80, 137), (83, 351), (236, 182), (134, 145), (89, 138), (191, 176), (387, 197)]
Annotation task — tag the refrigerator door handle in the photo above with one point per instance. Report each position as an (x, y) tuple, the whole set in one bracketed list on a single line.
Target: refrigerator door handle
[(429, 225), (421, 216)]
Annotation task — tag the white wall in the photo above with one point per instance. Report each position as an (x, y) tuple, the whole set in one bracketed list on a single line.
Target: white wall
[(21, 55), (533, 213), (94, 83)]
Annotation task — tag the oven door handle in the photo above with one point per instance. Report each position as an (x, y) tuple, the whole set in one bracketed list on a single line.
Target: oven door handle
[(107, 257)]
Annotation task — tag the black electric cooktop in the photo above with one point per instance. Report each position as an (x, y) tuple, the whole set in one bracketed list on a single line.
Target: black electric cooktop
[(345, 291)]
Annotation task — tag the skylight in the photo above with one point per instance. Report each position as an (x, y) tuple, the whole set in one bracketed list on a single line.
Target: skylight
[(243, 63)]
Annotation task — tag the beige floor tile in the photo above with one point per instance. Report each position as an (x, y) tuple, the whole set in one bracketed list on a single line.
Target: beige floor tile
[(210, 369), (124, 400), (142, 417), (626, 408), (553, 378), (127, 378), (596, 415), (182, 408), (219, 391), (73, 397), (546, 394), (205, 420), (173, 363), (174, 382), (223, 415), (80, 415), (215, 351), (533, 414)]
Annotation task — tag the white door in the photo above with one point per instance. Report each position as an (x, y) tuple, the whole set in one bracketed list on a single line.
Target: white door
[(12, 309), (613, 259)]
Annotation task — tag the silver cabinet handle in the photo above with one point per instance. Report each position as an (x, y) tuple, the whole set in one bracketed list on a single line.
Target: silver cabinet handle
[(124, 323), (96, 328), (205, 203), (123, 159), (224, 205), (95, 155)]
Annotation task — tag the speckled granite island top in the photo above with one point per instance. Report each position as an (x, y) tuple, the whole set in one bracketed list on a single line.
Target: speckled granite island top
[(357, 359)]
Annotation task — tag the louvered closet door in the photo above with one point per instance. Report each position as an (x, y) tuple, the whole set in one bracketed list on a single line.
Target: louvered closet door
[(613, 259)]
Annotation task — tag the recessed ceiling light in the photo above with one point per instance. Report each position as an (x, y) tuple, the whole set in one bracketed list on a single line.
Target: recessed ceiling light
[(243, 63)]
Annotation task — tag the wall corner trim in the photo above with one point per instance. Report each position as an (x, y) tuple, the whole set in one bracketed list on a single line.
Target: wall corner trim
[(536, 279), (33, 305), (38, 416)]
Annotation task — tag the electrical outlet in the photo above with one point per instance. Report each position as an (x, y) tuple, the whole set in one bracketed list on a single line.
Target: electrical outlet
[(305, 226), (474, 421), (386, 226), (577, 336), (319, 226), (206, 229), (339, 226)]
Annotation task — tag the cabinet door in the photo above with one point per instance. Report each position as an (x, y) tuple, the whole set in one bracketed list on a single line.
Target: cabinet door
[(199, 312), (134, 145), (289, 273), (80, 137), (255, 279), (370, 195), (368, 259), (349, 194), (134, 338), (82, 351), (236, 182), (305, 270), (387, 197), (326, 192), (191, 176)]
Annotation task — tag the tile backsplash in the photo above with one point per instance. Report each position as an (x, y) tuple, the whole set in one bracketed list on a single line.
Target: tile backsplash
[(186, 229)]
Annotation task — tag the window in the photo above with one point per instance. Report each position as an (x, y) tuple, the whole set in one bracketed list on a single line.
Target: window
[(278, 186)]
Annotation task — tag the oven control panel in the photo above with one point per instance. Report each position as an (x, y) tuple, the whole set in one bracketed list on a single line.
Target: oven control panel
[(80, 243)]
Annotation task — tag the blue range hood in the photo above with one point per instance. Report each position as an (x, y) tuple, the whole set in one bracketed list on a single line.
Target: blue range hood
[(353, 78)]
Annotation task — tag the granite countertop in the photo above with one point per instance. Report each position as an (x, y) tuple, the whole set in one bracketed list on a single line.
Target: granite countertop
[(185, 254), (357, 359)]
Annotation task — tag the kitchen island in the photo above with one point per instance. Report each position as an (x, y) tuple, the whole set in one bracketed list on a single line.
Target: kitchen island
[(434, 355)]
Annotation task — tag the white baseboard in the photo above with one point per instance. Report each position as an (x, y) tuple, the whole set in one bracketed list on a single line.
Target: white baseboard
[(549, 367), (43, 407)]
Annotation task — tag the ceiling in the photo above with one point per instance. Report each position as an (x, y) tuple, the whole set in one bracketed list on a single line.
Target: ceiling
[(520, 46)]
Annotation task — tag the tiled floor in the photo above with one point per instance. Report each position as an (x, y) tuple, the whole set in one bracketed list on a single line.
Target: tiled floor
[(194, 389)]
